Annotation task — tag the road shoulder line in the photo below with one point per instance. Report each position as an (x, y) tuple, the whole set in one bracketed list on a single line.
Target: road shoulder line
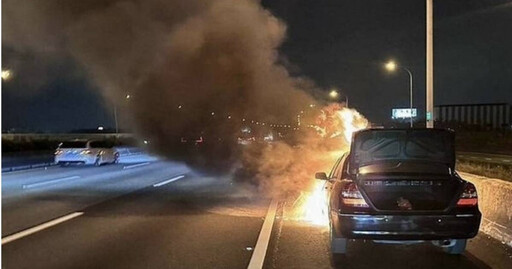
[(260, 250)]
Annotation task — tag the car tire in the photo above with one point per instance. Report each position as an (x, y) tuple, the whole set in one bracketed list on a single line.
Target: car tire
[(116, 157), (97, 162), (338, 244), (458, 248)]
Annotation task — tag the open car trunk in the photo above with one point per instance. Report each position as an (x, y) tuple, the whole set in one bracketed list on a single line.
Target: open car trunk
[(410, 194), (407, 170)]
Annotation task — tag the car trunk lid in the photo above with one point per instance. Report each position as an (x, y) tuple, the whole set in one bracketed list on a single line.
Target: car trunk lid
[(408, 170), (426, 146)]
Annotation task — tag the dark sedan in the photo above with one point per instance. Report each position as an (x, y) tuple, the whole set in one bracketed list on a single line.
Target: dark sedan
[(400, 186)]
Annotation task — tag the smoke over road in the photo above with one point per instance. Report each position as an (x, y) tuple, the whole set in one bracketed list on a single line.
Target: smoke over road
[(192, 68)]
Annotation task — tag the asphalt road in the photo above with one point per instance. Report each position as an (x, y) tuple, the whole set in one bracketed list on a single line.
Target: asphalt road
[(163, 215)]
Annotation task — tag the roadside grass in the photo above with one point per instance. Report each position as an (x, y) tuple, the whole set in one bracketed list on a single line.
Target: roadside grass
[(499, 171)]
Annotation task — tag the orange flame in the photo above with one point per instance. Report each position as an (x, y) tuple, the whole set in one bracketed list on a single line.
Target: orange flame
[(315, 206), (333, 122)]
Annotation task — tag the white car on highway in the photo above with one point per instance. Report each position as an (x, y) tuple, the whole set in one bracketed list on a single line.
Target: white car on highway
[(85, 152)]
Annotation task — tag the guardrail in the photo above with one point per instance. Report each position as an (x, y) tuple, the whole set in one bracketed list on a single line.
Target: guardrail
[(60, 136)]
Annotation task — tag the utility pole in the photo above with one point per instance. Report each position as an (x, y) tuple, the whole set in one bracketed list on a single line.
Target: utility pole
[(430, 65), (115, 119)]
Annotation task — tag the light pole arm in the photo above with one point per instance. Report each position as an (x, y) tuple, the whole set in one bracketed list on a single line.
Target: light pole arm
[(410, 85), (410, 89)]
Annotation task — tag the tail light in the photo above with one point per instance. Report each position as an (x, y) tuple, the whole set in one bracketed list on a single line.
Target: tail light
[(468, 197), (85, 152), (351, 196)]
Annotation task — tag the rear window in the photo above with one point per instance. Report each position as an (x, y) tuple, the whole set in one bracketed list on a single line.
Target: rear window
[(425, 145), (73, 144)]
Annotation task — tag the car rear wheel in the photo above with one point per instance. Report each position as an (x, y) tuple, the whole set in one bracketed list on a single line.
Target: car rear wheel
[(458, 248), (338, 244), (98, 161)]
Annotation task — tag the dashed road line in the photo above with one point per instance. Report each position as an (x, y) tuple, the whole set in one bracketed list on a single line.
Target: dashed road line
[(48, 182), (40, 227), (168, 181), (136, 165), (258, 256)]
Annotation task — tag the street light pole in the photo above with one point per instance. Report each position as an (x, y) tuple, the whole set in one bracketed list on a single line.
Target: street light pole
[(430, 66), (115, 119), (127, 97), (391, 66), (410, 92)]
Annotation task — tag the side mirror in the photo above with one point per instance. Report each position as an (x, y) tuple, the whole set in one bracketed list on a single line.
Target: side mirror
[(321, 176)]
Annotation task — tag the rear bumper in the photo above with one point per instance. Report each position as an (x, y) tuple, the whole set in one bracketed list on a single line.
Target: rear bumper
[(406, 227), (85, 159)]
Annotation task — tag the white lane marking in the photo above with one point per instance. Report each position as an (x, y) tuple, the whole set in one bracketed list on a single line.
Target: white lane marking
[(48, 182), (135, 165), (488, 159), (258, 256), (168, 181), (507, 161), (40, 227)]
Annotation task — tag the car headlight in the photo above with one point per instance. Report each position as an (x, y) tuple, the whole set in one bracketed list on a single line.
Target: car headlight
[(58, 152)]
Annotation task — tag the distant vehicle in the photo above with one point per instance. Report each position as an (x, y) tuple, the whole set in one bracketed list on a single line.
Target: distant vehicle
[(400, 186), (85, 152)]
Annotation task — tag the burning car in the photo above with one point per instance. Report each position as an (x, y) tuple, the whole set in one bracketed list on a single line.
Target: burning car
[(400, 186)]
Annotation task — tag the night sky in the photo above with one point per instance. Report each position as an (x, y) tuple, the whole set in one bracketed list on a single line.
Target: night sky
[(336, 43)]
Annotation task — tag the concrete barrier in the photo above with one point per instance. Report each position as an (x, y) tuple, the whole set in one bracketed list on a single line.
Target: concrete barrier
[(494, 198)]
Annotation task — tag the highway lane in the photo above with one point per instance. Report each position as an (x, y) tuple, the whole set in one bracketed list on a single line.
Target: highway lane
[(193, 222), (149, 216), (298, 244), (33, 196)]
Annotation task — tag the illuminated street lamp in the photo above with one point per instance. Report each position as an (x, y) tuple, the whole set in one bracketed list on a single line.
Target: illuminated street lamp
[(6, 74), (333, 94), (391, 66)]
